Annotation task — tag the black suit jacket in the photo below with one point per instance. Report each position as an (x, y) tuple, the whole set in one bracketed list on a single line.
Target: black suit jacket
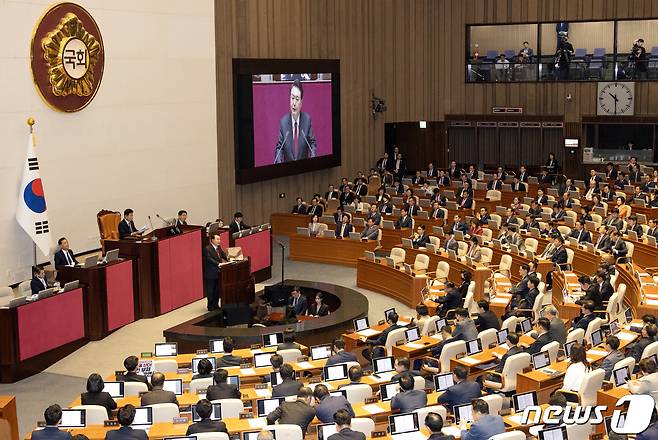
[(100, 399), (60, 257), (536, 346), (126, 433), (315, 210), (158, 395), (284, 150), (235, 227), (381, 339), (460, 393), (125, 228), (331, 195), (294, 413), (299, 209), (592, 294), (302, 304), (361, 189), (51, 433), (211, 259), (37, 286), (223, 391), (229, 360), (314, 311), (286, 388), (606, 291), (206, 425), (134, 377), (348, 229), (347, 434), (421, 241), (584, 321), (487, 320), (511, 352), (403, 222), (560, 256)]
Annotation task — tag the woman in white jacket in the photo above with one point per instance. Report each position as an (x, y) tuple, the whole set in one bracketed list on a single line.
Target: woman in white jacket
[(576, 371)]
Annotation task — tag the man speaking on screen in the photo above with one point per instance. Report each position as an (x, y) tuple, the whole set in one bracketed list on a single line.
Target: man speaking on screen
[(296, 139)]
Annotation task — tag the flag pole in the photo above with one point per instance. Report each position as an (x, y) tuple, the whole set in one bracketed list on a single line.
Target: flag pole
[(31, 122)]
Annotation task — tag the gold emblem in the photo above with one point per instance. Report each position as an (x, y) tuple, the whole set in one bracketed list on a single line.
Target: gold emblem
[(71, 54)]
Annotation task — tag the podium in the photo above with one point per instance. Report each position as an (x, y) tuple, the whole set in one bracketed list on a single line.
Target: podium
[(256, 243), (111, 300), (236, 282), (168, 269)]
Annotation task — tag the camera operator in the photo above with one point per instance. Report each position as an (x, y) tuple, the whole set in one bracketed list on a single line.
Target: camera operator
[(638, 59), (563, 56)]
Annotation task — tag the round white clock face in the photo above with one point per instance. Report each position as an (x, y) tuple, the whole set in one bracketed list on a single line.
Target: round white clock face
[(616, 99)]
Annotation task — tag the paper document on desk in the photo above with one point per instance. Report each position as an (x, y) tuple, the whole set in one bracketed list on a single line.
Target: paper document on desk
[(515, 418), (368, 332), (415, 345), (373, 408), (469, 360), (248, 372), (437, 336), (453, 430), (403, 323), (260, 422), (625, 336), (499, 300), (305, 365), (264, 392), (595, 352), (652, 302)]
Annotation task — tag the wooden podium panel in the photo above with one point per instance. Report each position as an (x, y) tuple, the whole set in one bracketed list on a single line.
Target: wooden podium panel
[(236, 283), (286, 224), (111, 299), (392, 282), (344, 252)]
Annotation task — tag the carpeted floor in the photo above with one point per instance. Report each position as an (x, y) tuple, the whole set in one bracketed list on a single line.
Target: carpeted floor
[(62, 382)]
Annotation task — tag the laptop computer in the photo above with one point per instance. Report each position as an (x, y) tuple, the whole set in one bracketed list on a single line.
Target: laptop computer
[(632, 235), (112, 255), (451, 254), (71, 285), (216, 346), (429, 247), (73, 418), (535, 232), (403, 423), (319, 352), (90, 262), (443, 381), (459, 235), (412, 334), (143, 417), (651, 240), (115, 389), (463, 413), (272, 339), (174, 385), (570, 221), (388, 390), (335, 372), (369, 255), (355, 236), (45, 293), (388, 224), (266, 406), (303, 231), (328, 234), (573, 241), (530, 255), (390, 262), (326, 430), (166, 349), (523, 400), (407, 243)]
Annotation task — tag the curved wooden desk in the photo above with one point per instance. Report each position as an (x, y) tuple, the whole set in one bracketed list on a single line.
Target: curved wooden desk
[(395, 283), (344, 252)]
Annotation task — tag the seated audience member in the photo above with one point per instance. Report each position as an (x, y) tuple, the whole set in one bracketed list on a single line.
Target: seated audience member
[(355, 374), (237, 224), (229, 360), (450, 243), (38, 282), (452, 300), (371, 231), (315, 208), (318, 308), (300, 206), (578, 367), (298, 302), (422, 315), (542, 328), (633, 226), (327, 405), (647, 336), (402, 367), (344, 227), (484, 425), (474, 251), (459, 225), (591, 290), (276, 360), (127, 225), (204, 370), (64, 256), (462, 392), (53, 416), (464, 330), (343, 420), (340, 356), (587, 311), (392, 321), (314, 226), (580, 234), (434, 422), (204, 410), (486, 318), (125, 416), (420, 238), (613, 356), (130, 364), (289, 385), (512, 342), (528, 301), (300, 412), (221, 389), (96, 396), (404, 221), (558, 331), (288, 341), (647, 380), (408, 399), (157, 394)]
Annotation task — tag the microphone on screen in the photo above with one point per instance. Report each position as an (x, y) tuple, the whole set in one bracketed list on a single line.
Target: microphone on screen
[(279, 149)]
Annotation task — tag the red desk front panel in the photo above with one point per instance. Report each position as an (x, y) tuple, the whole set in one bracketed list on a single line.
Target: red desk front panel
[(50, 323), (180, 270), (120, 295), (258, 247)]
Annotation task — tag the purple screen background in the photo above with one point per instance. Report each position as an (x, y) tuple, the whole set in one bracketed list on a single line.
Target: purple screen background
[(272, 102)]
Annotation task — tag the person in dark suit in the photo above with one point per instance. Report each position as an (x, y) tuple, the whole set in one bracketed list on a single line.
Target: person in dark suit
[(405, 220), (300, 207), (399, 167), (412, 207), (463, 391), (541, 198), (420, 238), (237, 224), (96, 396), (486, 319), (204, 410), (580, 233), (52, 416), (495, 184), (296, 139), (299, 412), (518, 186), (513, 348), (332, 193), (340, 356), (298, 301), (354, 374), (130, 364), (344, 227), (434, 423), (459, 225), (361, 187), (384, 164), (289, 386), (408, 399), (315, 208), (213, 255), (592, 292), (392, 321), (484, 425), (327, 405), (127, 225), (318, 308), (38, 282), (450, 301), (587, 311), (204, 370), (343, 420), (542, 328), (619, 248), (157, 394), (288, 341), (632, 225), (221, 389), (181, 220), (229, 360), (126, 416), (647, 336), (610, 171), (450, 242), (64, 256)]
